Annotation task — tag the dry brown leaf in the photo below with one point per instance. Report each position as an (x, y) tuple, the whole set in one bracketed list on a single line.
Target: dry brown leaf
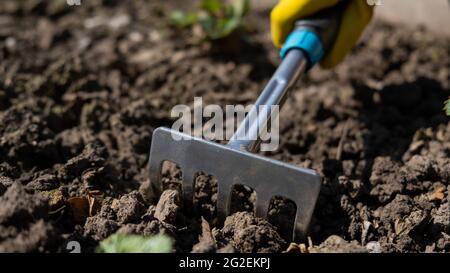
[(94, 205), (299, 248), (79, 207), (293, 248), (95, 201), (303, 248)]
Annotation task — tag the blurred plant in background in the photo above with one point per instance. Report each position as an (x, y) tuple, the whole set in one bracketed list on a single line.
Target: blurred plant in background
[(214, 19), (447, 107), (119, 243)]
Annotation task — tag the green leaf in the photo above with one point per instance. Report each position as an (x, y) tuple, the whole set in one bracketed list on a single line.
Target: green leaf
[(447, 107), (211, 6), (228, 26), (182, 19), (208, 24), (119, 243), (216, 19), (241, 7)]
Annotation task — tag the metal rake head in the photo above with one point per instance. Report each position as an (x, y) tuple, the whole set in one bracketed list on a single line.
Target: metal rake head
[(268, 177)]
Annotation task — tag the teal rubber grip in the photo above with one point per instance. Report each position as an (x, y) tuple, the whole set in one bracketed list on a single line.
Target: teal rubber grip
[(306, 40)]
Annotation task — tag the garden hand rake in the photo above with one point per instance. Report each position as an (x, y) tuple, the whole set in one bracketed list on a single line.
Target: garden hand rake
[(234, 163)]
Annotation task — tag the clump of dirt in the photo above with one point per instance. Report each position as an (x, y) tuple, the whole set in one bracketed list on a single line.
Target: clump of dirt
[(206, 242), (249, 234), (205, 197), (19, 207), (282, 213), (336, 244), (23, 226), (5, 183), (81, 94), (130, 208), (38, 238), (99, 228), (168, 206), (242, 198)]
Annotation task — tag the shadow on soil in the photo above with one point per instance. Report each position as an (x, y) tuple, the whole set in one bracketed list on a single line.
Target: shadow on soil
[(392, 116)]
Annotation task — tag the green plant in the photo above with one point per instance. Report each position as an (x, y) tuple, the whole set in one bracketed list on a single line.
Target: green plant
[(213, 19), (447, 107), (119, 243)]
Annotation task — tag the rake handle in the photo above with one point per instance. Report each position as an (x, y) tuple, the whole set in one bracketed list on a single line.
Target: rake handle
[(247, 136), (304, 47)]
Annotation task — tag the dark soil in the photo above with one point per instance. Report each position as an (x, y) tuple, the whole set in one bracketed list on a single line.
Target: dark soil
[(82, 89)]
